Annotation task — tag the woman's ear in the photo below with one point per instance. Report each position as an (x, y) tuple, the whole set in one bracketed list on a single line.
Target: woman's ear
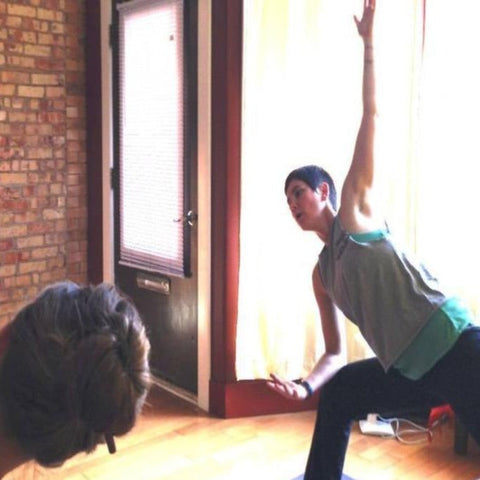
[(324, 191)]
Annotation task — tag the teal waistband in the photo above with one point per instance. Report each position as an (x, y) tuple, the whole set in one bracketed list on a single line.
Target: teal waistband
[(435, 339), (369, 236)]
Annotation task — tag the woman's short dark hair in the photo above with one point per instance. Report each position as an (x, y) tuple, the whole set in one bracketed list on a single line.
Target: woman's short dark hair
[(75, 370), (313, 176)]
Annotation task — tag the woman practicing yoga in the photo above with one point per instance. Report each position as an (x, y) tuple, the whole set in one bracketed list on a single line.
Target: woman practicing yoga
[(427, 349)]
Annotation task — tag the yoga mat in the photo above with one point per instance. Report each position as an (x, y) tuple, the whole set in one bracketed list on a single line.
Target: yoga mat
[(344, 477)]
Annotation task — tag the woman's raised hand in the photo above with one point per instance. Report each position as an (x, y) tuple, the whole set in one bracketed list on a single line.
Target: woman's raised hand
[(365, 25)]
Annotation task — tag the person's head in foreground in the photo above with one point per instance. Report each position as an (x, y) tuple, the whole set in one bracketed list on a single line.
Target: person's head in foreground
[(73, 373)]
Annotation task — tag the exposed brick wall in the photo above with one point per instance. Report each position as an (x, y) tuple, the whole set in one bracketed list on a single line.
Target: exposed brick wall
[(43, 216)]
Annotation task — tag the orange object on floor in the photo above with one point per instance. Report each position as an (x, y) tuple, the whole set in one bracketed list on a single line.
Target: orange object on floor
[(440, 415)]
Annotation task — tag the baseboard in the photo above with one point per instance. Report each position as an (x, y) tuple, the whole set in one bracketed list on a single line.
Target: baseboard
[(247, 398)]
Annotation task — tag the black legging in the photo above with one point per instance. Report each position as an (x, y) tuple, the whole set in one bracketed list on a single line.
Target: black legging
[(363, 387)]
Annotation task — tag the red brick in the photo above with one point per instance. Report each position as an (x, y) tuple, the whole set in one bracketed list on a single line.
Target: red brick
[(31, 241), (19, 205), (7, 90), (31, 91), (27, 267), (7, 270), (12, 178), (23, 280), (42, 253), (15, 77), (20, 61), (6, 245), (21, 10), (10, 258), (42, 148)]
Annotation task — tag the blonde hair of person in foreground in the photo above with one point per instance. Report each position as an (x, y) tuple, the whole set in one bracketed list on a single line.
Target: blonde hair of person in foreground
[(74, 373)]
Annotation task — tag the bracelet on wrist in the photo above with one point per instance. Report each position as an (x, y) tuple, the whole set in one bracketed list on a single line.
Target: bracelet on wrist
[(305, 385)]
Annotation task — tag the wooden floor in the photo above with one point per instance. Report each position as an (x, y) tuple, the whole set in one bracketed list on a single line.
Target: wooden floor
[(173, 440)]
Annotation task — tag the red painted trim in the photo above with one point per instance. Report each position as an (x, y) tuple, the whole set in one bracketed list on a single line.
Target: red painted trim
[(252, 397), (234, 96), (226, 146)]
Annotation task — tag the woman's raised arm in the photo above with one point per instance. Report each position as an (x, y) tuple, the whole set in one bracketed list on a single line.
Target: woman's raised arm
[(357, 211)]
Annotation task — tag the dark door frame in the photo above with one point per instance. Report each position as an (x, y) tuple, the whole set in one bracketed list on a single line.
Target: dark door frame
[(93, 80)]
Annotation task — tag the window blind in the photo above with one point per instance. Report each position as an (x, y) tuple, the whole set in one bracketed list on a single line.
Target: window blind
[(151, 167)]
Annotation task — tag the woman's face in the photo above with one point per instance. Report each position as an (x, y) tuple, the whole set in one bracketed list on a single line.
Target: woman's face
[(305, 204)]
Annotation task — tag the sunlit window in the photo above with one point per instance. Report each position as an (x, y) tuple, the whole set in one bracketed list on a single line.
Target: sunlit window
[(448, 194), (302, 92)]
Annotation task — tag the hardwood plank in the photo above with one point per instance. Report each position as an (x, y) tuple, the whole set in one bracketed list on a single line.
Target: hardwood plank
[(174, 440)]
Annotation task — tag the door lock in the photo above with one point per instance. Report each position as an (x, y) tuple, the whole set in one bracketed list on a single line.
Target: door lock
[(191, 218)]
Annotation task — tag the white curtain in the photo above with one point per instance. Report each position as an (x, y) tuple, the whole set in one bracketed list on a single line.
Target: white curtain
[(448, 222), (297, 55), (302, 104)]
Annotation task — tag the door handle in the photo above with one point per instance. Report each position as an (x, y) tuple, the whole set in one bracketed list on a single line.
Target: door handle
[(191, 218)]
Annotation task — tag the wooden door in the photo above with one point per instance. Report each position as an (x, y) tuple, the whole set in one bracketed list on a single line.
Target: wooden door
[(155, 177)]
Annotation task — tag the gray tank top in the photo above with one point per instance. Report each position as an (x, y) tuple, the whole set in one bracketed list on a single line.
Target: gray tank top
[(388, 295)]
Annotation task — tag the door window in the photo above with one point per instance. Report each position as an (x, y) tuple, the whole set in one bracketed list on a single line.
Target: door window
[(151, 136)]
